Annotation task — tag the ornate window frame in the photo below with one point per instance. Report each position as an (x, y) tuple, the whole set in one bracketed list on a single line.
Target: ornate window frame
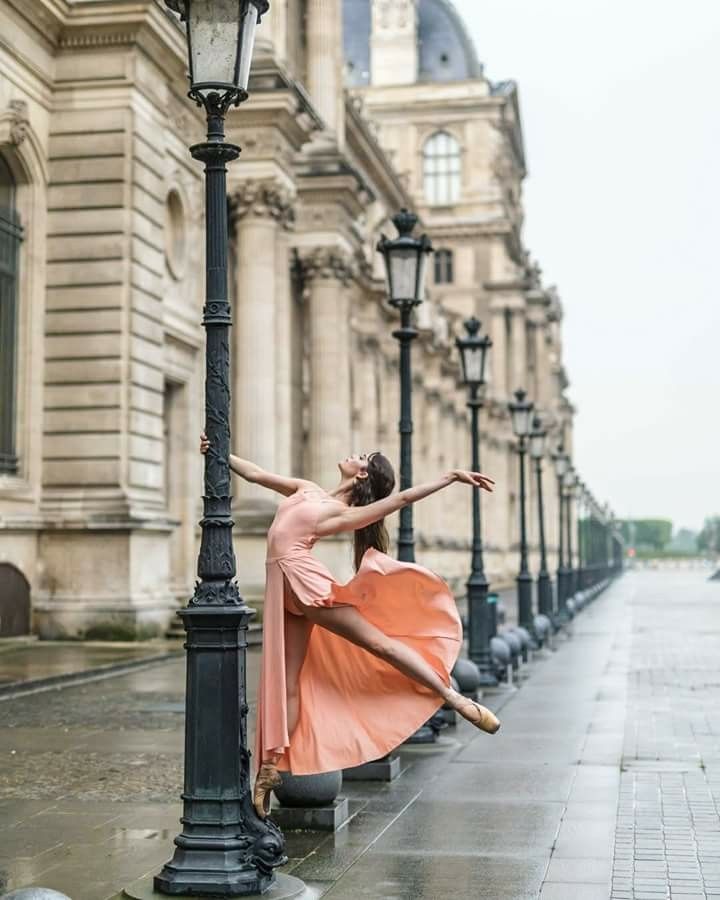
[(23, 151), (442, 168), (444, 266)]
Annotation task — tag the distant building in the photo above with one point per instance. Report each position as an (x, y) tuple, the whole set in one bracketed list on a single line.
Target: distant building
[(101, 289)]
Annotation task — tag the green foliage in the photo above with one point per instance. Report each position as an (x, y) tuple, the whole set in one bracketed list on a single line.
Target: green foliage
[(650, 534), (685, 541), (665, 554), (709, 537)]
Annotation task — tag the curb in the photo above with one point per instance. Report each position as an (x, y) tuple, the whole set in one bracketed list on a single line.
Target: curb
[(20, 688)]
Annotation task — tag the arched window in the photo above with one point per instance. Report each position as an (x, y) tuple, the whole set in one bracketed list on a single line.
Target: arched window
[(441, 169), (444, 267), (10, 237)]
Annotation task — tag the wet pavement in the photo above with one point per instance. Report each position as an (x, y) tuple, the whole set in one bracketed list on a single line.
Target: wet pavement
[(603, 782), (25, 663)]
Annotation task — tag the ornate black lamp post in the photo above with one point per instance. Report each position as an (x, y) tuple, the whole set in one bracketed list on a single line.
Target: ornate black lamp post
[(521, 415), (581, 495), (473, 355), (538, 437), (224, 849), (569, 479), (561, 462), (406, 264), (607, 556)]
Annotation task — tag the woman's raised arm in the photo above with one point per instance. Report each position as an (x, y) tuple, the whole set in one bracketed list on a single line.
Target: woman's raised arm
[(251, 472), (334, 520)]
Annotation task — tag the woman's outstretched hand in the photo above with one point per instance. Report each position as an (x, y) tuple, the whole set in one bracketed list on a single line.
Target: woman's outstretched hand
[(204, 442), (476, 479)]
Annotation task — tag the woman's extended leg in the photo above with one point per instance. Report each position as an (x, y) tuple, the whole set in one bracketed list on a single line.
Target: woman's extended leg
[(347, 622), (350, 624)]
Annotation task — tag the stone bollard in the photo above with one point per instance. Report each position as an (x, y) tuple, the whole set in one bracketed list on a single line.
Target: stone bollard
[(448, 712), (526, 642), (467, 675), (310, 802), (542, 626), (502, 659), (515, 647)]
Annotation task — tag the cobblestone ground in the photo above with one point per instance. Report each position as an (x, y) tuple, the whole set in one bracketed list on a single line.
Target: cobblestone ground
[(603, 782), (667, 840)]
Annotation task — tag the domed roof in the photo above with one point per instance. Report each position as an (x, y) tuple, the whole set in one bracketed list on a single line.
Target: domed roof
[(445, 49)]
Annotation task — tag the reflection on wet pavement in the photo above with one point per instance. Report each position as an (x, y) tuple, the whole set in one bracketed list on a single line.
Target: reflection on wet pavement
[(38, 660)]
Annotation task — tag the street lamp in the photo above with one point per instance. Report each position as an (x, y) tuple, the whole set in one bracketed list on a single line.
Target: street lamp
[(581, 496), (569, 480), (220, 37), (521, 416), (561, 462), (405, 263), (473, 356), (538, 438), (224, 849)]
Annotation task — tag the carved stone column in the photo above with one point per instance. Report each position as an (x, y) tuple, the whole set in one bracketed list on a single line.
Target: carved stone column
[(260, 210), (324, 61), (285, 353), (366, 400), (518, 349), (326, 272), (450, 461), (499, 354), (538, 303), (434, 503)]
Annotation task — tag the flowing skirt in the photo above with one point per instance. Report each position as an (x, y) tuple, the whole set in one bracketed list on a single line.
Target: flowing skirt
[(354, 706)]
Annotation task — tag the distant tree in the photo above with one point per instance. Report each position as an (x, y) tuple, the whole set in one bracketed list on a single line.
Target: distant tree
[(685, 541), (650, 534), (709, 537)]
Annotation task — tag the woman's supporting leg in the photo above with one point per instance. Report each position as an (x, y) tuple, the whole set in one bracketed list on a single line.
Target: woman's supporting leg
[(297, 635), (347, 622)]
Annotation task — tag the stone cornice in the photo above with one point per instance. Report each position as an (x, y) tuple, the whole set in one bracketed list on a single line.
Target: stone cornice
[(466, 230), (47, 16)]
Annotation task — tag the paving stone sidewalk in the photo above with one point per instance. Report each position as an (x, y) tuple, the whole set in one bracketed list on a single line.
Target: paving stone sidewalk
[(602, 783)]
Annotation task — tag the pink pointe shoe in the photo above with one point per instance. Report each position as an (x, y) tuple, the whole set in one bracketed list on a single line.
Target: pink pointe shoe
[(266, 779), (480, 716)]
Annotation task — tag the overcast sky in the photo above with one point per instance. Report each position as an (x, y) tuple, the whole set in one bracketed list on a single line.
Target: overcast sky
[(621, 111)]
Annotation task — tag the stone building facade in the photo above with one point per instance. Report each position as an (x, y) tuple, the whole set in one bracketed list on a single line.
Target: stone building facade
[(356, 109)]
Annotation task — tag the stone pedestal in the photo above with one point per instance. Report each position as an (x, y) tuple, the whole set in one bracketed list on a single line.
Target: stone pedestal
[(312, 818), (387, 768)]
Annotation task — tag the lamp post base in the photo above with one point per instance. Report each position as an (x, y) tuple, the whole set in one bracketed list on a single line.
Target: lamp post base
[(524, 597), (544, 594), (285, 887)]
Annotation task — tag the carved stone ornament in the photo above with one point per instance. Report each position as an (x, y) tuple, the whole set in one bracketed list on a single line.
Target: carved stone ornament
[(326, 262), (395, 15), (261, 199), (20, 122)]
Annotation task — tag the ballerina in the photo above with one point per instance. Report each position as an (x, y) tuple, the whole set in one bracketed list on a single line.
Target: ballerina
[(378, 666)]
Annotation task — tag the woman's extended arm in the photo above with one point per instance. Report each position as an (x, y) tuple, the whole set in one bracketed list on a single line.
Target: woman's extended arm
[(252, 472), (334, 520)]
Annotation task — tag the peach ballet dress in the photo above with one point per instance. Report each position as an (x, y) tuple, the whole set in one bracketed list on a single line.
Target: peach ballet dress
[(354, 707)]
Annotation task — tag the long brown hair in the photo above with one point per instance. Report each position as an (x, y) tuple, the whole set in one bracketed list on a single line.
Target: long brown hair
[(379, 483)]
